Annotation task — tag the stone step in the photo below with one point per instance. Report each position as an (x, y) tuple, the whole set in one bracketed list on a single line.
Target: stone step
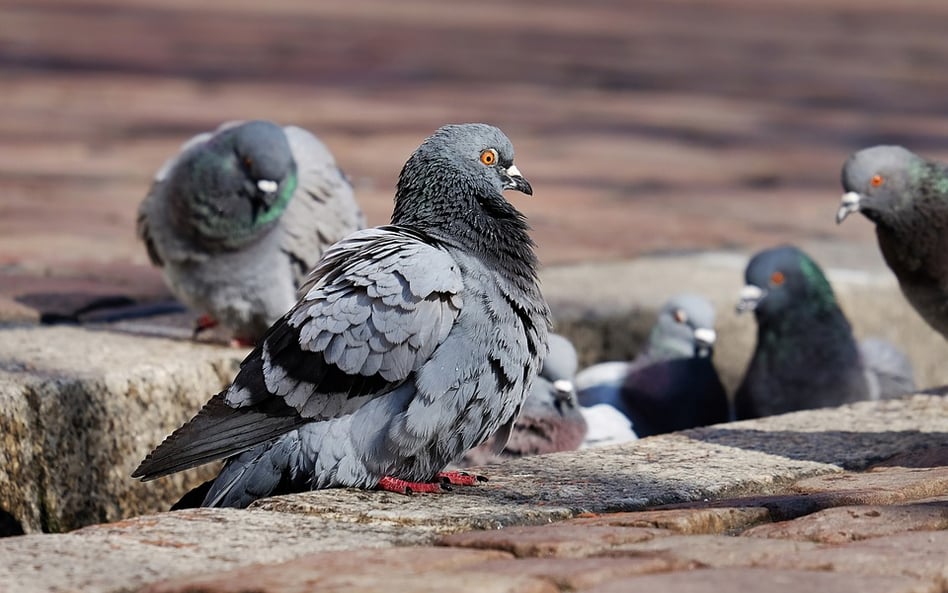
[(589, 496)]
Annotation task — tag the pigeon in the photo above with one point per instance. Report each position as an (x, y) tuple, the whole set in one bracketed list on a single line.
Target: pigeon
[(551, 419), (806, 355), (672, 385), (412, 343), (906, 197), (239, 217)]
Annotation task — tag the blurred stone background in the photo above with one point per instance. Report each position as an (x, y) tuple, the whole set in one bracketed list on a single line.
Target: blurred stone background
[(645, 127)]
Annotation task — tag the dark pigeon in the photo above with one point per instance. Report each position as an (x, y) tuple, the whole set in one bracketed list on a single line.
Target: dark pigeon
[(906, 197), (672, 385), (551, 419), (240, 216), (806, 355), (413, 343)]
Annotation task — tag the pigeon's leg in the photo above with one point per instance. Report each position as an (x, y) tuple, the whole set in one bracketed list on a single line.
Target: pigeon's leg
[(203, 323), (460, 478), (405, 487), (238, 342)]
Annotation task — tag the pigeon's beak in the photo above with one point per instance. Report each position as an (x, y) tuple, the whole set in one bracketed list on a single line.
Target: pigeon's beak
[(267, 191), (750, 296), (513, 179), (704, 340), (565, 394), (848, 205)]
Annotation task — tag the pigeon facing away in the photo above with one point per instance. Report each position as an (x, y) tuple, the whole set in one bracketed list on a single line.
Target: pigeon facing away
[(906, 197), (413, 343), (551, 419), (672, 385), (240, 216), (806, 355)]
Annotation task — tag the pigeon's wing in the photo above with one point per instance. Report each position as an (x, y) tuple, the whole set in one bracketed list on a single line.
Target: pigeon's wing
[(374, 311), (323, 209), (148, 215), (888, 369)]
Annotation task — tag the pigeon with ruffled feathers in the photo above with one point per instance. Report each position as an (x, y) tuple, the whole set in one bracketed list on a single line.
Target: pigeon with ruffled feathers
[(412, 343), (806, 355), (238, 218), (906, 197), (672, 385)]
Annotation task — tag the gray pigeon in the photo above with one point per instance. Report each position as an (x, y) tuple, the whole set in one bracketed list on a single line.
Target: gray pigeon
[(413, 343), (906, 197), (806, 355), (551, 419), (672, 385), (238, 218)]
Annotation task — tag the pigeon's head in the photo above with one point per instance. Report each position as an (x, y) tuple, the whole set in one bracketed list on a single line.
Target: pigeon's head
[(684, 329), (266, 165), (875, 180), (460, 170), (561, 361), (781, 278), (235, 184)]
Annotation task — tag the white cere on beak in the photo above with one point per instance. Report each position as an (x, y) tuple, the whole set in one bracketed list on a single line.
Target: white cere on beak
[(750, 295), (705, 335), (563, 386), (848, 205), (267, 185), (513, 171)]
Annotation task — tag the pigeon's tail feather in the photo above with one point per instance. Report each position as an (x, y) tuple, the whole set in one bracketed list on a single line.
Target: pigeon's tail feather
[(265, 470), (888, 369), (217, 431)]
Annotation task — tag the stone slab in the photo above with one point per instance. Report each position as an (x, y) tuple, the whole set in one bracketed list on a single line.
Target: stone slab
[(850, 523), (765, 580), (81, 408)]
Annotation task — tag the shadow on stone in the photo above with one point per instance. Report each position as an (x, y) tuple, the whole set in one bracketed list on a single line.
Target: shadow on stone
[(848, 449), (9, 526)]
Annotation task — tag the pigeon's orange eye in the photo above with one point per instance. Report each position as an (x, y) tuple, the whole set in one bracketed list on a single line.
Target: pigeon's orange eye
[(877, 180), (776, 279), (248, 162), (489, 157), (680, 316)]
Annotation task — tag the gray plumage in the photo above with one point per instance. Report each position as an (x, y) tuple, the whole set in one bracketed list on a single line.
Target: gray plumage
[(672, 385), (413, 342), (906, 197), (806, 355), (238, 218), (551, 419)]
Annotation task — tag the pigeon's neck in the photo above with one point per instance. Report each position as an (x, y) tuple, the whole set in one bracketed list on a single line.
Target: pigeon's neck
[(489, 228), (815, 332), (917, 218)]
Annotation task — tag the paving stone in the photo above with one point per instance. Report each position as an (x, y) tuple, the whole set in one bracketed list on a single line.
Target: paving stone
[(920, 554), (395, 570), (125, 555), (558, 540), (573, 574), (684, 521), (850, 523), (929, 457), (881, 485), (716, 551), (764, 580)]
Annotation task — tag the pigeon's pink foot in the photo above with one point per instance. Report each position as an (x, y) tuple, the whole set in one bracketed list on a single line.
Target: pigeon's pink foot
[(238, 342), (203, 323), (460, 478), (405, 487)]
